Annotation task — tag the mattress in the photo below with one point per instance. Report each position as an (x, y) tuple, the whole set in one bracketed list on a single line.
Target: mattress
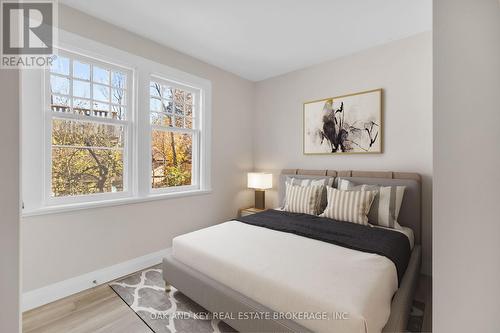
[(294, 275)]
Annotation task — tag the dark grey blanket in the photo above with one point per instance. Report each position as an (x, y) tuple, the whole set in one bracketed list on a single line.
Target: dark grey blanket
[(391, 244)]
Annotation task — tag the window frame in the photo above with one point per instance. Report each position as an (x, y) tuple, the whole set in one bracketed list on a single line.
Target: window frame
[(128, 126), (195, 131), (35, 132)]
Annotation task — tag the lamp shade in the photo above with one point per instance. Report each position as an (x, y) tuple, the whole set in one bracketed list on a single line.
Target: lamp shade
[(261, 181)]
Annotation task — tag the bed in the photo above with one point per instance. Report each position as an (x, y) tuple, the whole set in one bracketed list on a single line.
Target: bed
[(245, 270)]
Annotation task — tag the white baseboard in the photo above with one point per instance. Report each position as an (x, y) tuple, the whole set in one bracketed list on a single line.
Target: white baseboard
[(38, 297)]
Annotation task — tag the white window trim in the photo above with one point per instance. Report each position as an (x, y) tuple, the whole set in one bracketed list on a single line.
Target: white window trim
[(58, 209), (140, 180), (128, 124), (196, 132)]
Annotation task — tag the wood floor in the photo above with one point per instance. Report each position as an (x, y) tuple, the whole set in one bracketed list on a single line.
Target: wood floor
[(100, 310), (96, 310)]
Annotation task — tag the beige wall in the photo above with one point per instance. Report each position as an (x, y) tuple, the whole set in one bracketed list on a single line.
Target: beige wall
[(466, 227), (61, 246), (466, 166), (9, 201), (402, 68)]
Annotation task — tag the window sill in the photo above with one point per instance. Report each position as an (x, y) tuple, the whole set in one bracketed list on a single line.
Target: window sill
[(109, 203)]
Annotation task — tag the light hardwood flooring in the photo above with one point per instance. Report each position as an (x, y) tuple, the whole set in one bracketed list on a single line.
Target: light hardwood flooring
[(95, 310), (100, 310)]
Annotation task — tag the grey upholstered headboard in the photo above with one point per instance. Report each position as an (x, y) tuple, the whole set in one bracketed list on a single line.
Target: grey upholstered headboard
[(410, 214)]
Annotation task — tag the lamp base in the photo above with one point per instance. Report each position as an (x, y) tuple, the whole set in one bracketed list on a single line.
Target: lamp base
[(260, 199)]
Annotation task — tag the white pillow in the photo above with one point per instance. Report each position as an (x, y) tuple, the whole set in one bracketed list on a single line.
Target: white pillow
[(303, 199), (348, 206), (386, 204)]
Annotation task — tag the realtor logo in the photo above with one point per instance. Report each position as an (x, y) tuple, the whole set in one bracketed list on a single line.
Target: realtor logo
[(27, 33)]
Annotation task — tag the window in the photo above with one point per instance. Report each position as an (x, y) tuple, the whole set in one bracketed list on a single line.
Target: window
[(109, 128), (174, 135), (88, 122)]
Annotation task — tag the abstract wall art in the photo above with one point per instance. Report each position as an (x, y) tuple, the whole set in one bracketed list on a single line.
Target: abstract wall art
[(349, 124)]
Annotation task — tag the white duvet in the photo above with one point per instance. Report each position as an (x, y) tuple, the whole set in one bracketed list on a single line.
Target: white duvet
[(295, 275)]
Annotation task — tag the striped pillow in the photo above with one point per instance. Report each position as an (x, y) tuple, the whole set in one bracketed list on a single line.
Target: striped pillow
[(303, 199), (326, 181), (386, 205), (349, 206)]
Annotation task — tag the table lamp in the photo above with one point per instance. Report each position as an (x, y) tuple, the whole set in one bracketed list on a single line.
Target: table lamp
[(260, 182)]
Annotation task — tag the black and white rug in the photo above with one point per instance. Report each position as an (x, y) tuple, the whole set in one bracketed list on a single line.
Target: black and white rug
[(144, 292)]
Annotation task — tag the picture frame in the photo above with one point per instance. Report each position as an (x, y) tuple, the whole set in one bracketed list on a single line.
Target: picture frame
[(347, 124)]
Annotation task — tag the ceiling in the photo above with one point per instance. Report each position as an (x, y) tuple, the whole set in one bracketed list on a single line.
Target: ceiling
[(258, 39)]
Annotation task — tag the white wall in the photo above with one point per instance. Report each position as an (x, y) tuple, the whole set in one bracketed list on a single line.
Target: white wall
[(402, 68), (9, 201), (61, 246), (466, 166)]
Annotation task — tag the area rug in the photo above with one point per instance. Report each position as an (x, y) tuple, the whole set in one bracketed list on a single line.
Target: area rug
[(144, 292), (173, 312)]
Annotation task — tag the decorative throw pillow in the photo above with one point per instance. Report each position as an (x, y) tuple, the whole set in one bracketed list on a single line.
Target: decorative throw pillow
[(327, 181), (303, 199), (386, 205), (349, 206)]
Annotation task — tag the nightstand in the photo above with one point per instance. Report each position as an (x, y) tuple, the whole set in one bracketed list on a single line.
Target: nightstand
[(249, 211)]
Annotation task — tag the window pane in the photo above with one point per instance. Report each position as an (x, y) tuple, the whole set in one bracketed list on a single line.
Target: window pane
[(60, 65), (188, 110), (188, 121), (100, 92), (155, 89), (87, 134), (171, 159), (81, 105), (81, 89), (189, 98), (118, 96), (118, 112), (80, 171), (81, 70), (118, 79), (155, 105), (100, 75), (161, 119), (168, 107), (179, 122), (59, 85), (166, 92), (161, 105), (178, 96), (59, 103), (179, 110), (101, 107)]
